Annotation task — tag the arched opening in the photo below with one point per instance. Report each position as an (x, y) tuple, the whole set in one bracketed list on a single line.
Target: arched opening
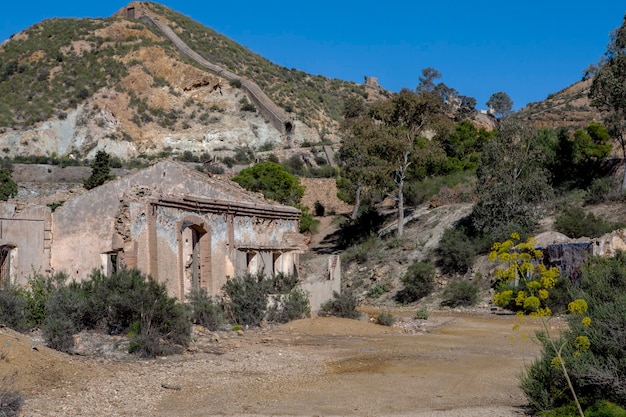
[(8, 261), (196, 258), (288, 128)]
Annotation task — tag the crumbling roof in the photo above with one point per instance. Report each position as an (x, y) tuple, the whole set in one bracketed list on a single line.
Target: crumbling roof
[(169, 180)]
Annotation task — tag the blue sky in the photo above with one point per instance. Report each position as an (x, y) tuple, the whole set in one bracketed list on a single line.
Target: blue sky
[(528, 49)]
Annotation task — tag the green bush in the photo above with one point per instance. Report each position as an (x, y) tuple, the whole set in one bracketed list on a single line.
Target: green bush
[(246, 298), (341, 305), (421, 314), (165, 323), (597, 373), (13, 307), (40, 288), (385, 318), (8, 187), (574, 223), (460, 294), (368, 248), (456, 252), (115, 304), (293, 306), (418, 282), (100, 171), (273, 181), (282, 283), (246, 105), (604, 408), (58, 332), (598, 191), (308, 223), (377, 290), (205, 311)]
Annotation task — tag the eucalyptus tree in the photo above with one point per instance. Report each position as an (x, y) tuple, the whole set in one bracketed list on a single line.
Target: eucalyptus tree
[(501, 104), (608, 89), (390, 143)]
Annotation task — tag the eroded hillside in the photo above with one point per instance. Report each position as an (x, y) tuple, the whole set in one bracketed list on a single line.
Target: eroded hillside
[(118, 84)]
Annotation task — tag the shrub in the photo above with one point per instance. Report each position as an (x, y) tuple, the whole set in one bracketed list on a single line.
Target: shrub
[(214, 169), (246, 105), (13, 307), (293, 306), (40, 288), (377, 290), (361, 252), (164, 323), (574, 222), (308, 223), (100, 171), (205, 311), (246, 298), (460, 294), (385, 318), (282, 283), (8, 187), (341, 305), (418, 282), (273, 181), (596, 373), (164, 318), (421, 314), (58, 333), (115, 304), (456, 252), (598, 191)]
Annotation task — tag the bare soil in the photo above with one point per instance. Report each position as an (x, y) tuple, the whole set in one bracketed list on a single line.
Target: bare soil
[(453, 364)]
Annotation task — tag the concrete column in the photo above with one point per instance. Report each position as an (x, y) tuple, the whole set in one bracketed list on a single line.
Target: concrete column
[(153, 256)]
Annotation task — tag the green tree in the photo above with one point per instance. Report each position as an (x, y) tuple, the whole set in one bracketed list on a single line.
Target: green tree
[(401, 120), (100, 171), (362, 170), (608, 89), (273, 181), (512, 183), (501, 104), (427, 80), (465, 143), (8, 187), (593, 142)]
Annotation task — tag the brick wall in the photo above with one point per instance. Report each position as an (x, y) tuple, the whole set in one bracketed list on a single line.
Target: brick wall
[(323, 190)]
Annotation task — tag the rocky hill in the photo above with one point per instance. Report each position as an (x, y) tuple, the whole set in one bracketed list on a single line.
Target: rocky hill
[(120, 84), (569, 108)]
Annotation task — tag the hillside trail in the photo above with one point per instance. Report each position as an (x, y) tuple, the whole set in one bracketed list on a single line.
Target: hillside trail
[(324, 240)]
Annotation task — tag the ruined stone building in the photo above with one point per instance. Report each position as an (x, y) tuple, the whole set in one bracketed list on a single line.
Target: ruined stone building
[(182, 227)]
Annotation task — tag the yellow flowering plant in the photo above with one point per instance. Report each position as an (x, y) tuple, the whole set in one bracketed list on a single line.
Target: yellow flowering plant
[(522, 279), (523, 285)]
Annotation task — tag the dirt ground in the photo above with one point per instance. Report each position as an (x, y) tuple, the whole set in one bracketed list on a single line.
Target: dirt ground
[(453, 364)]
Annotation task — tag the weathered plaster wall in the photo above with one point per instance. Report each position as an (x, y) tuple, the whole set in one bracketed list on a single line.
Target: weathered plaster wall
[(148, 210), (28, 230), (320, 289)]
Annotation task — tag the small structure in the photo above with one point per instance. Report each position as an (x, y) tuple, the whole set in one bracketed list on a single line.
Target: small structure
[(183, 227), (568, 254)]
